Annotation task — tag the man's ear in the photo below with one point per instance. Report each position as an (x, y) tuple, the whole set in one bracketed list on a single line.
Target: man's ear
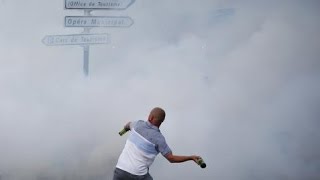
[(152, 119)]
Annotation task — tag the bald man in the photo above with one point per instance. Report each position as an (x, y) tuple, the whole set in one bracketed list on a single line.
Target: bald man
[(144, 143)]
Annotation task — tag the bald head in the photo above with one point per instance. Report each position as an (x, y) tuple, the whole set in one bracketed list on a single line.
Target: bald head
[(157, 116)]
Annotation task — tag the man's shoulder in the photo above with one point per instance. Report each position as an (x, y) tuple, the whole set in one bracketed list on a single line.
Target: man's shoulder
[(135, 122), (139, 122)]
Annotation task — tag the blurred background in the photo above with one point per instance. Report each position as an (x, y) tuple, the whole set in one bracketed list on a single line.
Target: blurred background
[(239, 81)]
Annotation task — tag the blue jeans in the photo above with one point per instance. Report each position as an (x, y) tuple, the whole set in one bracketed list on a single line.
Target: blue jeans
[(120, 174)]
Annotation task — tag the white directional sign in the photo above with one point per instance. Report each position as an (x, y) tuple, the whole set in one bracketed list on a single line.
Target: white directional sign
[(98, 21), (75, 39), (98, 4)]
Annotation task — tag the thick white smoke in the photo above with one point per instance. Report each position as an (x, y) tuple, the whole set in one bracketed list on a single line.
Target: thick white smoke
[(239, 82)]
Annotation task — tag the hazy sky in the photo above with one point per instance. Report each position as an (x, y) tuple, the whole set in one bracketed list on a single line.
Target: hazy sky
[(239, 81)]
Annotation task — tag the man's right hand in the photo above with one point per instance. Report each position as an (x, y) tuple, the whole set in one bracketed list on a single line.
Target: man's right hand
[(195, 158)]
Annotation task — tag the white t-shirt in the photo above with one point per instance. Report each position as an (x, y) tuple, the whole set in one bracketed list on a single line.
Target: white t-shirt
[(142, 146)]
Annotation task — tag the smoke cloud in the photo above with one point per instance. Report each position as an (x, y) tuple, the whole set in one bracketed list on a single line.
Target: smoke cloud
[(239, 82)]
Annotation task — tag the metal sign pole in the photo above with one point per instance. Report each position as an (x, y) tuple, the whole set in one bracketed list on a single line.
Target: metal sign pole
[(86, 48), (86, 60)]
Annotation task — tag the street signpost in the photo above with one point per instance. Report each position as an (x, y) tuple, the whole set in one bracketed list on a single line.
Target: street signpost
[(87, 22), (98, 21), (76, 39), (98, 4)]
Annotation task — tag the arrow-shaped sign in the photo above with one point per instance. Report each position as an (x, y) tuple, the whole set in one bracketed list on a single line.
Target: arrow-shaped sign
[(98, 21), (98, 4), (75, 39)]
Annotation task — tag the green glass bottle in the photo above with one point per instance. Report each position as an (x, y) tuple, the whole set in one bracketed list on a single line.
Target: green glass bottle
[(201, 163)]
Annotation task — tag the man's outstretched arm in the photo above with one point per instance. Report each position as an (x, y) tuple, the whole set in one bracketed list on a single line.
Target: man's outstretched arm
[(179, 159)]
